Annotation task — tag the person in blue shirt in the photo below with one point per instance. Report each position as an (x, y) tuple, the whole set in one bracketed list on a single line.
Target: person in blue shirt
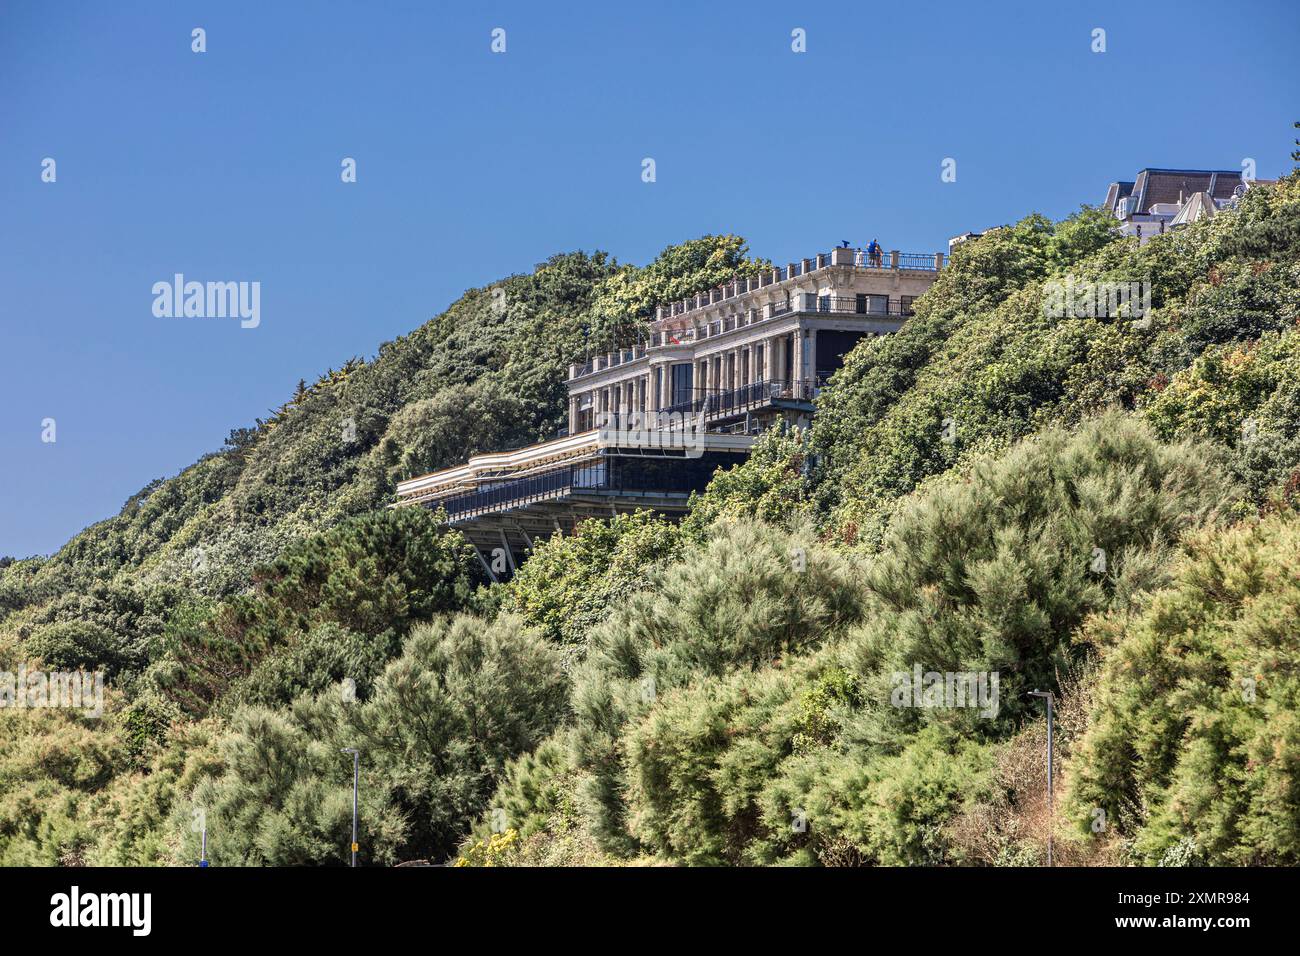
[(873, 253)]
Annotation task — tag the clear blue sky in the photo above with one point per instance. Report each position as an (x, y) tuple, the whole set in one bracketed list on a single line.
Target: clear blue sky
[(471, 166)]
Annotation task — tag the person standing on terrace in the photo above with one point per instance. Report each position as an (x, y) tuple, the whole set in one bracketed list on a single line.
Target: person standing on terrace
[(873, 253)]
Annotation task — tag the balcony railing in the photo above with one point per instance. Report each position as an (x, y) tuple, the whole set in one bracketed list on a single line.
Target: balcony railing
[(521, 491), (717, 403), (892, 259)]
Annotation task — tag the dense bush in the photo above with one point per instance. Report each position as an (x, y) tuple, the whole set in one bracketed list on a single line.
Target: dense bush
[(995, 571), (754, 748), (1193, 749), (465, 696), (748, 597), (569, 583), (374, 575)]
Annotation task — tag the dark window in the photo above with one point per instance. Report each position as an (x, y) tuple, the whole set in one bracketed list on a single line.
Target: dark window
[(681, 383)]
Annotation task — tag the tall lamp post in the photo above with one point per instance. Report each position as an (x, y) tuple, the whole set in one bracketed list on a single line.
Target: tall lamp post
[(356, 768), (1051, 700)]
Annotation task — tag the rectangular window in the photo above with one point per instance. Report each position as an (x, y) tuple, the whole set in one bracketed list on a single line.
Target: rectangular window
[(682, 375)]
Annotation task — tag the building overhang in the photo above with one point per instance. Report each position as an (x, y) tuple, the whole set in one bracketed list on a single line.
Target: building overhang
[(689, 442)]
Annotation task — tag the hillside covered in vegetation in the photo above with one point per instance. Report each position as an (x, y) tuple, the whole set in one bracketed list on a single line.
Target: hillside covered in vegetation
[(1100, 507)]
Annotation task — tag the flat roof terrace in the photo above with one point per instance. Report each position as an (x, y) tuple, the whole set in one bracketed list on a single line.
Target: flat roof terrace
[(750, 300)]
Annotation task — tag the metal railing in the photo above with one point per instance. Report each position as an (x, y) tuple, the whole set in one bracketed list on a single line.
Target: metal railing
[(715, 403), (896, 306), (550, 484), (882, 259)]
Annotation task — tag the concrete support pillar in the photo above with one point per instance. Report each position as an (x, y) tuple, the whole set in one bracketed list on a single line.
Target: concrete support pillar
[(810, 349)]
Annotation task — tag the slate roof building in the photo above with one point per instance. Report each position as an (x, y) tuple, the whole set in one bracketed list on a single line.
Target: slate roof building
[(1162, 199)]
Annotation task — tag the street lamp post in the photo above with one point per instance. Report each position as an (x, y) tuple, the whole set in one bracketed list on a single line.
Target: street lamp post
[(1048, 696), (356, 769)]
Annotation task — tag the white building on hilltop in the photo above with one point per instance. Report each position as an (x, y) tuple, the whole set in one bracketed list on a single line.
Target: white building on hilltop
[(1159, 200)]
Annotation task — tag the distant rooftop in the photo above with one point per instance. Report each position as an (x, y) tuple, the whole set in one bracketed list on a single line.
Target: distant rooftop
[(1158, 186)]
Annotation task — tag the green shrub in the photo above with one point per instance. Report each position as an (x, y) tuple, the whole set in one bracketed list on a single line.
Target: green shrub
[(465, 696), (374, 575), (1194, 743), (994, 571), (748, 597), (568, 584)]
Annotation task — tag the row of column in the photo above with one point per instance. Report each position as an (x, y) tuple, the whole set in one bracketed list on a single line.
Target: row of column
[(638, 394), (776, 359)]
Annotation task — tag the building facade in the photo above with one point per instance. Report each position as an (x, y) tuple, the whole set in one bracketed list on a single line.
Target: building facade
[(649, 424), (743, 352)]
